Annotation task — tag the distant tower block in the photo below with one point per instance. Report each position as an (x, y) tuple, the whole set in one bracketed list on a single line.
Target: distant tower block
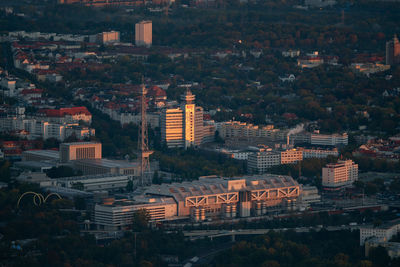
[(143, 140), (393, 51), (144, 33)]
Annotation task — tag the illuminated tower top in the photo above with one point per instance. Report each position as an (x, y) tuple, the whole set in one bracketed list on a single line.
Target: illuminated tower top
[(188, 97)]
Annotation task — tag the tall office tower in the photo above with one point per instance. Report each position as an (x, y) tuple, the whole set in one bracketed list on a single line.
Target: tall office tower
[(198, 126), (189, 113), (183, 126), (144, 33), (393, 51), (172, 127), (143, 140)]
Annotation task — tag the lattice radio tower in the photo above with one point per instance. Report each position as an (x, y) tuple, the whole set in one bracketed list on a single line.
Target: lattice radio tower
[(143, 141)]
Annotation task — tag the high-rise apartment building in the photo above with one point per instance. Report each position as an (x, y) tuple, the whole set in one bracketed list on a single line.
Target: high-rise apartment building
[(144, 33), (183, 126), (340, 174), (393, 51), (79, 150), (172, 127)]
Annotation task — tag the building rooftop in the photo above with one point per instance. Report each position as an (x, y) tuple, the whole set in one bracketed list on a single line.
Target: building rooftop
[(384, 226), (44, 153), (108, 163), (217, 185), (80, 143), (89, 177), (140, 200), (34, 164)]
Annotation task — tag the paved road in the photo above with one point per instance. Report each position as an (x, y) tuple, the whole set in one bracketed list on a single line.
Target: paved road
[(196, 234)]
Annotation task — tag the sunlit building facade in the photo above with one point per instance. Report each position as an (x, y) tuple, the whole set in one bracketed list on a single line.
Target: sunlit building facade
[(340, 174), (183, 126), (144, 33)]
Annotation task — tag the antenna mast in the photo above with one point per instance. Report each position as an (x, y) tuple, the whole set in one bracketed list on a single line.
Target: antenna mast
[(143, 141)]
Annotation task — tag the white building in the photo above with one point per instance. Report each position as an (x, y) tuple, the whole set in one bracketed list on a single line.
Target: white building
[(118, 215), (38, 127), (240, 129), (309, 195), (329, 139), (109, 182), (291, 53), (9, 84), (340, 174), (144, 33), (260, 162), (319, 153), (384, 232)]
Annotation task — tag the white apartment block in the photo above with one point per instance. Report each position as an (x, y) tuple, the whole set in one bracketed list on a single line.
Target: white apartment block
[(329, 139), (241, 129), (33, 128), (260, 162), (144, 33), (342, 173), (319, 153)]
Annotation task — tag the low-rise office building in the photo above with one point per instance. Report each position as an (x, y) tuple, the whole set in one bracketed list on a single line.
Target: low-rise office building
[(118, 215)]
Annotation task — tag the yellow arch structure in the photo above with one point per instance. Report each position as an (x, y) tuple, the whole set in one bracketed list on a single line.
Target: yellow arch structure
[(38, 199), (52, 194)]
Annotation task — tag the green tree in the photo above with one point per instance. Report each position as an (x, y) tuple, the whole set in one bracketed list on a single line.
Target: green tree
[(379, 256), (5, 171), (140, 220)]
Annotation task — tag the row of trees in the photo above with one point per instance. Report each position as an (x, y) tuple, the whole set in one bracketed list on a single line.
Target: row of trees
[(339, 249)]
